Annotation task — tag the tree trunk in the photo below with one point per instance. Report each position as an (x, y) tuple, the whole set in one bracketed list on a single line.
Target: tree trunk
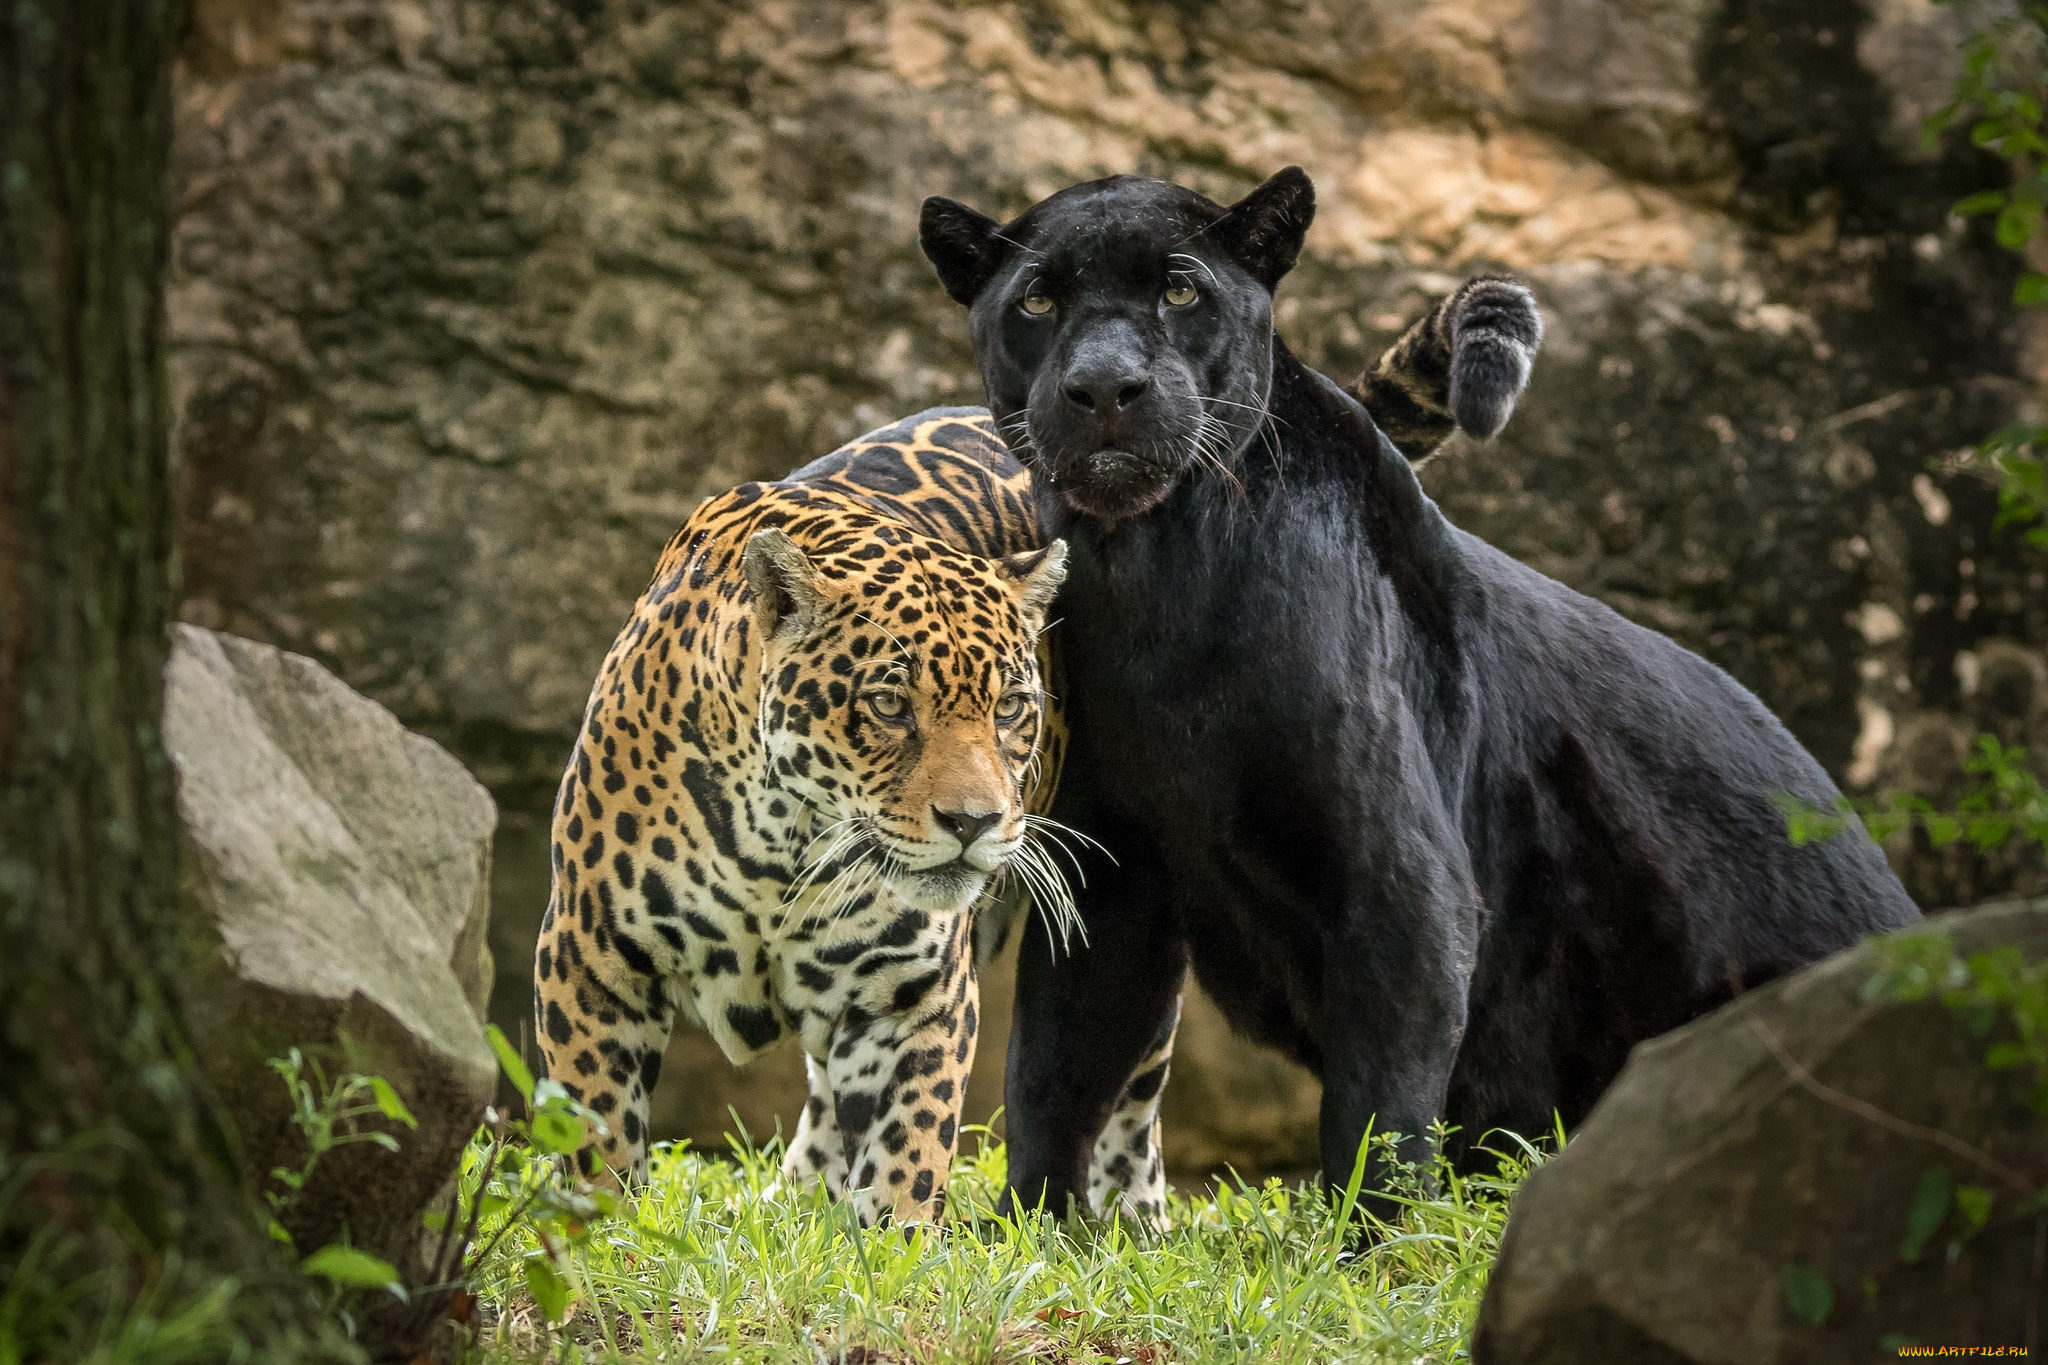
[(116, 1183)]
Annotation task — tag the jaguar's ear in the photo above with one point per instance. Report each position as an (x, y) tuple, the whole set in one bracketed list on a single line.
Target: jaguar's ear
[(965, 246), (1039, 574), (1263, 231), (786, 595)]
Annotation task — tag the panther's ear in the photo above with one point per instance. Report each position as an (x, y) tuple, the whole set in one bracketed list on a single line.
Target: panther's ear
[(966, 246), (1263, 231), (785, 585), (1040, 573)]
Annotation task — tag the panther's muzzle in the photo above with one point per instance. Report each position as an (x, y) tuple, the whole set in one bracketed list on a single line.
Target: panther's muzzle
[(1114, 484)]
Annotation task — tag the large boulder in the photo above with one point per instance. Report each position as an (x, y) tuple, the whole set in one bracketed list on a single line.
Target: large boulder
[(1746, 1192), (336, 895)]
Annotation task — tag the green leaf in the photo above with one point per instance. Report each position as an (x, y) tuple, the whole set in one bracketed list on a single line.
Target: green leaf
[(557, 1130), (515, 1069), (389, 1104), (354, 1268), (2015, 226), (1930, 1206), (1974, 1201), (1807, 1294), (1986, 201), (2030, 290), (1989, 831), (2004, 1057), (278, 1234), (550, 1291)]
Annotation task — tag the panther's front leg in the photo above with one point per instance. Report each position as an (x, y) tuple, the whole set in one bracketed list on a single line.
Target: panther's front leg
[(897, 1083), (816, 1152), (1128, 1169)]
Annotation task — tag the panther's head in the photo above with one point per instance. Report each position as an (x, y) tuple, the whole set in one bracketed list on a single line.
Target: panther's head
[(901, 701), (1123, 327)]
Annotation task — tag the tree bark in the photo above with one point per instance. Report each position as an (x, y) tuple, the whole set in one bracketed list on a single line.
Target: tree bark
[(115, 1179)]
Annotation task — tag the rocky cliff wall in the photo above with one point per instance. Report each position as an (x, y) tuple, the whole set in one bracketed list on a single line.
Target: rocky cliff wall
[(474, 301)]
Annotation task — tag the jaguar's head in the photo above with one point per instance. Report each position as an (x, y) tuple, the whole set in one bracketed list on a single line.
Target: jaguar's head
[(901, 702), (1123, 327)]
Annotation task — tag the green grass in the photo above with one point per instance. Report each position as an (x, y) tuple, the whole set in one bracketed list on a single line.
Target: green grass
[(719, 1261)]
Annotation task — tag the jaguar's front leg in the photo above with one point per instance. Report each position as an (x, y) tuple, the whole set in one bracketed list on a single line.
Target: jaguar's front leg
[(897, 1083), (816, 1152), (1128, 1170), (603, 1025)]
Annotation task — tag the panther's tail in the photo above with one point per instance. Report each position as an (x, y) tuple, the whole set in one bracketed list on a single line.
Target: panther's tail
[(1461, 367)]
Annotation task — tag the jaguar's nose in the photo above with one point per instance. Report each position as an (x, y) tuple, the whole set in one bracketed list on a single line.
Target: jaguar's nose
[(966, 826)]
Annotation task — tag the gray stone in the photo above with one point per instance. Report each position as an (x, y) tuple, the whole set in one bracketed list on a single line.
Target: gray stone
[(1787, 1132), (336, 895)]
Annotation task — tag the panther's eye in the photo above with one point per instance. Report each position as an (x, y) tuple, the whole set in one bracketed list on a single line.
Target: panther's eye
[(1037, 305), (1010, 709), (1180, 295), (888, 703)]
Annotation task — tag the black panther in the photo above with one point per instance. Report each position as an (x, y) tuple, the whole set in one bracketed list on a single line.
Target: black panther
[(1448, 833)]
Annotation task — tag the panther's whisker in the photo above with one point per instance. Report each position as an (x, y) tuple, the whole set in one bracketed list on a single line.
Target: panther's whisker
[(1263, 412), (1206, 445)]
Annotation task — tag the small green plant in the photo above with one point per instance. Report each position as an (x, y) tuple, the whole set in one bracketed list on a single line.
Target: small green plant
[(2009, 803), (520, 1189), (1997, 994), (331, 1115), (517, 1176), (2002, 93), (2002, 1000), (2004, 90)]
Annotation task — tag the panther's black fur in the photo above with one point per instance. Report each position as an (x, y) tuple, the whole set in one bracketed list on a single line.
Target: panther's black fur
[(1451, 834)]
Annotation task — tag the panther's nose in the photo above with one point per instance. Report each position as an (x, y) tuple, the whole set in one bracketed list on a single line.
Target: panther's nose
[(1106, 389), (966, 826)]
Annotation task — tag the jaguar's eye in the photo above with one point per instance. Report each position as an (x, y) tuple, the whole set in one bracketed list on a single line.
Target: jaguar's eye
[(1010, 709), (888, 703), (1037, 305), (1180, 295)]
